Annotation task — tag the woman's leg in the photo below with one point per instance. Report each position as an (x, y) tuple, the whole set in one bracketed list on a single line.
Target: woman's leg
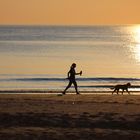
[(68, 86), (75, 85)]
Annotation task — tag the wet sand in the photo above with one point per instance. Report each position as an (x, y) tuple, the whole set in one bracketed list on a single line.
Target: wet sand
[(69, 117)]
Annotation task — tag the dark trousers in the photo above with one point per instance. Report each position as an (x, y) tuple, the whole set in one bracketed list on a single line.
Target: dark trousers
[(72, 81)]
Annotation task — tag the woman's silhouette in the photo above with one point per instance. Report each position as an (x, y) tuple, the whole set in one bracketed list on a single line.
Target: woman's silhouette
[(71, 77)]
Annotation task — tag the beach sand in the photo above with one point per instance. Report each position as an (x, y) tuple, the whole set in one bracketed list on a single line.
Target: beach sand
[(69, 117)]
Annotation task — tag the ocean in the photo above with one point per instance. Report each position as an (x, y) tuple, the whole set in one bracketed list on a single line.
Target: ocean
[(39, 57)]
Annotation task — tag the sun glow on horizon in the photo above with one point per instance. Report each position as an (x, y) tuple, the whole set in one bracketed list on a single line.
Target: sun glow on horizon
[(73, 12)]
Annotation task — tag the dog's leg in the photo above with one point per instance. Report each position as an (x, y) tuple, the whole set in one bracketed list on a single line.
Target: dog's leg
[(122, 91), (128, 91), (117, 91), (113, 91)]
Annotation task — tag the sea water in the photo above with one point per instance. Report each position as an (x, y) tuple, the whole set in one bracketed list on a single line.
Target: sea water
[(39, 57)]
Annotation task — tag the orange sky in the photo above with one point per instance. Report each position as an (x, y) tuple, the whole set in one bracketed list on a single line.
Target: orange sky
[(69, 12)]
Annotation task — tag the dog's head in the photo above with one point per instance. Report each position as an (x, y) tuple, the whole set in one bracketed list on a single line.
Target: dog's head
[(128, 84)]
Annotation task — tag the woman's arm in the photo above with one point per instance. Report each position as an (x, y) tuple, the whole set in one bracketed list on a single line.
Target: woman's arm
[(68, 75), (80, 73)]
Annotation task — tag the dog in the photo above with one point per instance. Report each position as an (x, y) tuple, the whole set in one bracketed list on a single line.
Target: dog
[(123, 87)]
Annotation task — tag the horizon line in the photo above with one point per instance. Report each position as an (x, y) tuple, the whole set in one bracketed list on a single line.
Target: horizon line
[(69, 24)]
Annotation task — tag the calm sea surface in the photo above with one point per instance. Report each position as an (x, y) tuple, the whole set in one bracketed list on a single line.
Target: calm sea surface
[(39, 57)]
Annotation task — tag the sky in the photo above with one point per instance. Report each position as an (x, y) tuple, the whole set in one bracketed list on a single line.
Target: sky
[(69, 12)]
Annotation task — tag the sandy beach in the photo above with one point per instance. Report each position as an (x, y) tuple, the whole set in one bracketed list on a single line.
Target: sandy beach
[(56, 117)]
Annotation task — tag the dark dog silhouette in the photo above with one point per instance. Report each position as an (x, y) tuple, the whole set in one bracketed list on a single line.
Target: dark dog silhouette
[(123, 87)]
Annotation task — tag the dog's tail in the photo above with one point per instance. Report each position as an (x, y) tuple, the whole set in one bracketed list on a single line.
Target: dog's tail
[(112, 87)]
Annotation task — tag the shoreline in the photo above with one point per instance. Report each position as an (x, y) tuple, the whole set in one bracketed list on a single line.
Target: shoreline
[(59, 91)]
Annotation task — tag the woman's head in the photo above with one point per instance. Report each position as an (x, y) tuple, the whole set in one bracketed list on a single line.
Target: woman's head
[(73, 65)]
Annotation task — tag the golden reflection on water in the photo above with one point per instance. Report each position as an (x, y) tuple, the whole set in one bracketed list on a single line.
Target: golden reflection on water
[(135, 47), (97, 59)]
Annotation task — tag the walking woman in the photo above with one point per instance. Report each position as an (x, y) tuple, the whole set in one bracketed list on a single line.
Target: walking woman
[(71, 77)]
